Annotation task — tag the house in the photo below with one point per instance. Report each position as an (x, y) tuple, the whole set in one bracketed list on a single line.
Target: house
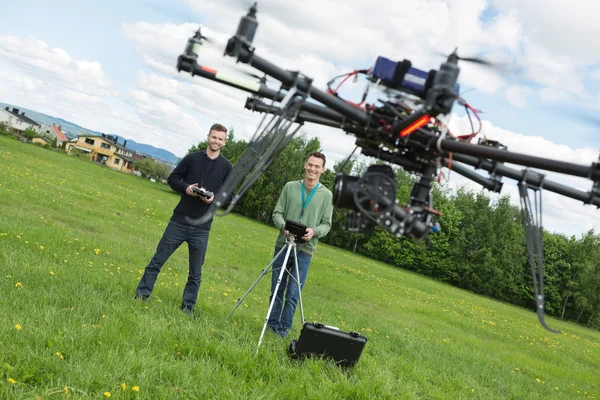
[(104, 150), (16, 121), (41, 140), (53, 131)]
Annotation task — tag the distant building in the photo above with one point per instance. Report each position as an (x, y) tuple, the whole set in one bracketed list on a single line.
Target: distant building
[(104, 150), (16, 121), (53, 131), (41, 140)]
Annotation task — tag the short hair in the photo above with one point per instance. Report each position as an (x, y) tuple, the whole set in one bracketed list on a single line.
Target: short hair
[(218, 128), (317, 154)]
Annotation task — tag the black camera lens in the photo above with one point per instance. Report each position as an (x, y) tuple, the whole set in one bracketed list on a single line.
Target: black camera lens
[(343, 191)]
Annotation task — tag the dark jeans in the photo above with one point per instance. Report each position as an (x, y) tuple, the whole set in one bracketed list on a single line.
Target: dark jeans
[(175, 234), (282, 314)]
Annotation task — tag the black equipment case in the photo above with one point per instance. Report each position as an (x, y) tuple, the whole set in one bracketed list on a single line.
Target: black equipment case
[(344, 348)]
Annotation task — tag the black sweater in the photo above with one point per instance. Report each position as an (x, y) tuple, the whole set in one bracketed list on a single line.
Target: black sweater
[(209, 174)]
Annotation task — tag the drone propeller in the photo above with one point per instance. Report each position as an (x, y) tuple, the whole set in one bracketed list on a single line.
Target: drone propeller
[(474, 60), (577, 114)]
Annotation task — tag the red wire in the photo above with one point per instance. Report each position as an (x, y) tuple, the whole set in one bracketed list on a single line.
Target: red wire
[(470, 136), (345, 79), (476, 116)]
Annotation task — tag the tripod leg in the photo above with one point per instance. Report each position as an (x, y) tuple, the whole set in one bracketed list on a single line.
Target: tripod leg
[(263, 273), (283, 270), (299, 286)]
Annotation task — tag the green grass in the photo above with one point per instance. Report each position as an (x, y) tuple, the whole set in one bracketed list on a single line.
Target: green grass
[(75, 238)]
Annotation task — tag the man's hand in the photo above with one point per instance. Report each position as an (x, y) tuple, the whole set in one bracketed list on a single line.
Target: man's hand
[(190, 192), (207, 201), (309, 234)]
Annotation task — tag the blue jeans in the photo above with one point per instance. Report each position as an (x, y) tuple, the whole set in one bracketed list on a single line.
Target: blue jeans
[(282, 314), (175, 234)]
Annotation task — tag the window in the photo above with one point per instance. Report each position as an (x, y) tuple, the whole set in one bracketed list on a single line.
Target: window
[(89, 141), (105, 146), (70, 147), (117, 160)]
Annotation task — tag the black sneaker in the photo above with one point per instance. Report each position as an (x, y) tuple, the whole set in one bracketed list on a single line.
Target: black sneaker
[(141, 296), (187, 309)]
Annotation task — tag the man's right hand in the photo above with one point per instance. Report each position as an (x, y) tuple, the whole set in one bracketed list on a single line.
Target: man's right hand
[(189, 191)]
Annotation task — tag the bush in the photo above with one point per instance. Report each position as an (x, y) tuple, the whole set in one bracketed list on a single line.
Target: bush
[(4, 130)]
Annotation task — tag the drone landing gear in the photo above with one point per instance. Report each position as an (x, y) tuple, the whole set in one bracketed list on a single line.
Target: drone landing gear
[(532, 222)]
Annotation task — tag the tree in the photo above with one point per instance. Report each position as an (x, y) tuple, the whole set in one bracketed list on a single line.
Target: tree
[(150, 168), (4, 128), (30, 133)]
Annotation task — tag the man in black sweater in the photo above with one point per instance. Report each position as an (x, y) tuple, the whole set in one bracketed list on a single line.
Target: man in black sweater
[(207, 169)]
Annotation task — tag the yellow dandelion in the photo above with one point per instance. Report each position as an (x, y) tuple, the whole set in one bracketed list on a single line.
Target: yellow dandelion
[(123, 386), (135, 389), (106, 394), (65, 390), (556, 387), (11, 381), (18, 284), (65, 260), (472, 390), (51, 273), (537, 379), (59, 355), (41, 247), (18, 327)]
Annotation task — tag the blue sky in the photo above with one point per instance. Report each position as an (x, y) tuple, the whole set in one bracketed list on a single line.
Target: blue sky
[(110, 66)]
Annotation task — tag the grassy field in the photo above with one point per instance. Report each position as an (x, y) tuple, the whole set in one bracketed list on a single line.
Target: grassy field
[(75, 238)]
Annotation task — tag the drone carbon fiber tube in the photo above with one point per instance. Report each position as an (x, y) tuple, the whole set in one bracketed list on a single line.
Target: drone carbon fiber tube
[(238, 49), (191, 66), (410, 165), (563, 167), (500, 169), (493, 185)]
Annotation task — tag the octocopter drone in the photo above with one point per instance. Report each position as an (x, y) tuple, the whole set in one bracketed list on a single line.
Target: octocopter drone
[(405, 129)]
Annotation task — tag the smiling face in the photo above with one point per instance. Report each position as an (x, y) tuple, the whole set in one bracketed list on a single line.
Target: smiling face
[(314, 167), (216, 140)]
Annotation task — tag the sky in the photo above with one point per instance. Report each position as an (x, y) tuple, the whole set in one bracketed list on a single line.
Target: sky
[(110, 66)]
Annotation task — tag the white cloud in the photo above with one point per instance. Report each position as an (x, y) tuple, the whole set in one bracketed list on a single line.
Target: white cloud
[(517, 95), (562, 28), (35, 59)]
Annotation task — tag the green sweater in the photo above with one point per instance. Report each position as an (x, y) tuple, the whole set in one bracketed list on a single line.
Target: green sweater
[(317, 214)]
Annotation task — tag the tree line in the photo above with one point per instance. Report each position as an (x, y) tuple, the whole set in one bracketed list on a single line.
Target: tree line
[(481, 246)]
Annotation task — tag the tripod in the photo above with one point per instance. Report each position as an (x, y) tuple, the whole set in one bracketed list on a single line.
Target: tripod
[(290, 245)]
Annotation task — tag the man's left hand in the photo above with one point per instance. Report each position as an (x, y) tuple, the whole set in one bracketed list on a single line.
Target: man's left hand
[(209, 200), (309, 234)]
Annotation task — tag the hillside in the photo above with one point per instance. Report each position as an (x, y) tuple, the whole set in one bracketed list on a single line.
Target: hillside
[(72, 130), (75, 238)]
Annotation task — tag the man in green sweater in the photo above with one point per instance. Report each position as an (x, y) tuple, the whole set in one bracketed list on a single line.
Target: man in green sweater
[(309, 202)]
